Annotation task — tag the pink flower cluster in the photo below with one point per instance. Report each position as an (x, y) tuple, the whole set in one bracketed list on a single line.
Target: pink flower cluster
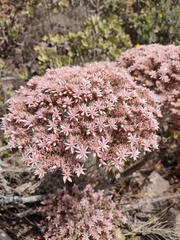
[(71, 112), (82, 215), (158, 68)]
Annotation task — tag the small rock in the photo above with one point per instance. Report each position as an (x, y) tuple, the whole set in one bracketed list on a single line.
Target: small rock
[(157, 184), (156, 187)]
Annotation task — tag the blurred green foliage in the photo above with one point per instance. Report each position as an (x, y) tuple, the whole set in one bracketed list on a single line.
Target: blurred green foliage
[(49, 53), (148, 21), (112, 27), (154, 22), (100, 39), (11, 22), (15, 14), (116, 26)]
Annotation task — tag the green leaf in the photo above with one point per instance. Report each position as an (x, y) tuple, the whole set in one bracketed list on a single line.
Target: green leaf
[(45, 38), (63, 3), (85, 44), (1, 63), (101, 25), (117, 175), (55, 39), (43, 57), (94, 19)]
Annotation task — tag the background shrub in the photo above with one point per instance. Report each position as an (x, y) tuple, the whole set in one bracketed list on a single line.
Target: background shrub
[(105, 29), (153, 22)]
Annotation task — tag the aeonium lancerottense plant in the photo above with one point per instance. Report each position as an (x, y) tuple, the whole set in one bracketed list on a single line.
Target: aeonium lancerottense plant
[(58, 119), (85, 215), (157, 67)]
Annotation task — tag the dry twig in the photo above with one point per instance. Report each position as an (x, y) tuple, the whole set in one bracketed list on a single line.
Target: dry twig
[(29, 199), (149, 201), (155, 228)]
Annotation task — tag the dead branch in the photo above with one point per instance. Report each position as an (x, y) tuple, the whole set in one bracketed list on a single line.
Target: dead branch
[(26, 213), (15, 170), (4, 184), (18, 199), (148, 201), (7, 78)]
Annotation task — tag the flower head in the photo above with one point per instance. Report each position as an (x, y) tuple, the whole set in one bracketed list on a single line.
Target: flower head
[(70, 112), (89, 215), (82, 152)]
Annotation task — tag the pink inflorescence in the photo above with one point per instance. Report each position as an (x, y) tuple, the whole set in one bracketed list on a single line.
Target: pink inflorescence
[(82, 215), (157, 67), (71, 112)]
